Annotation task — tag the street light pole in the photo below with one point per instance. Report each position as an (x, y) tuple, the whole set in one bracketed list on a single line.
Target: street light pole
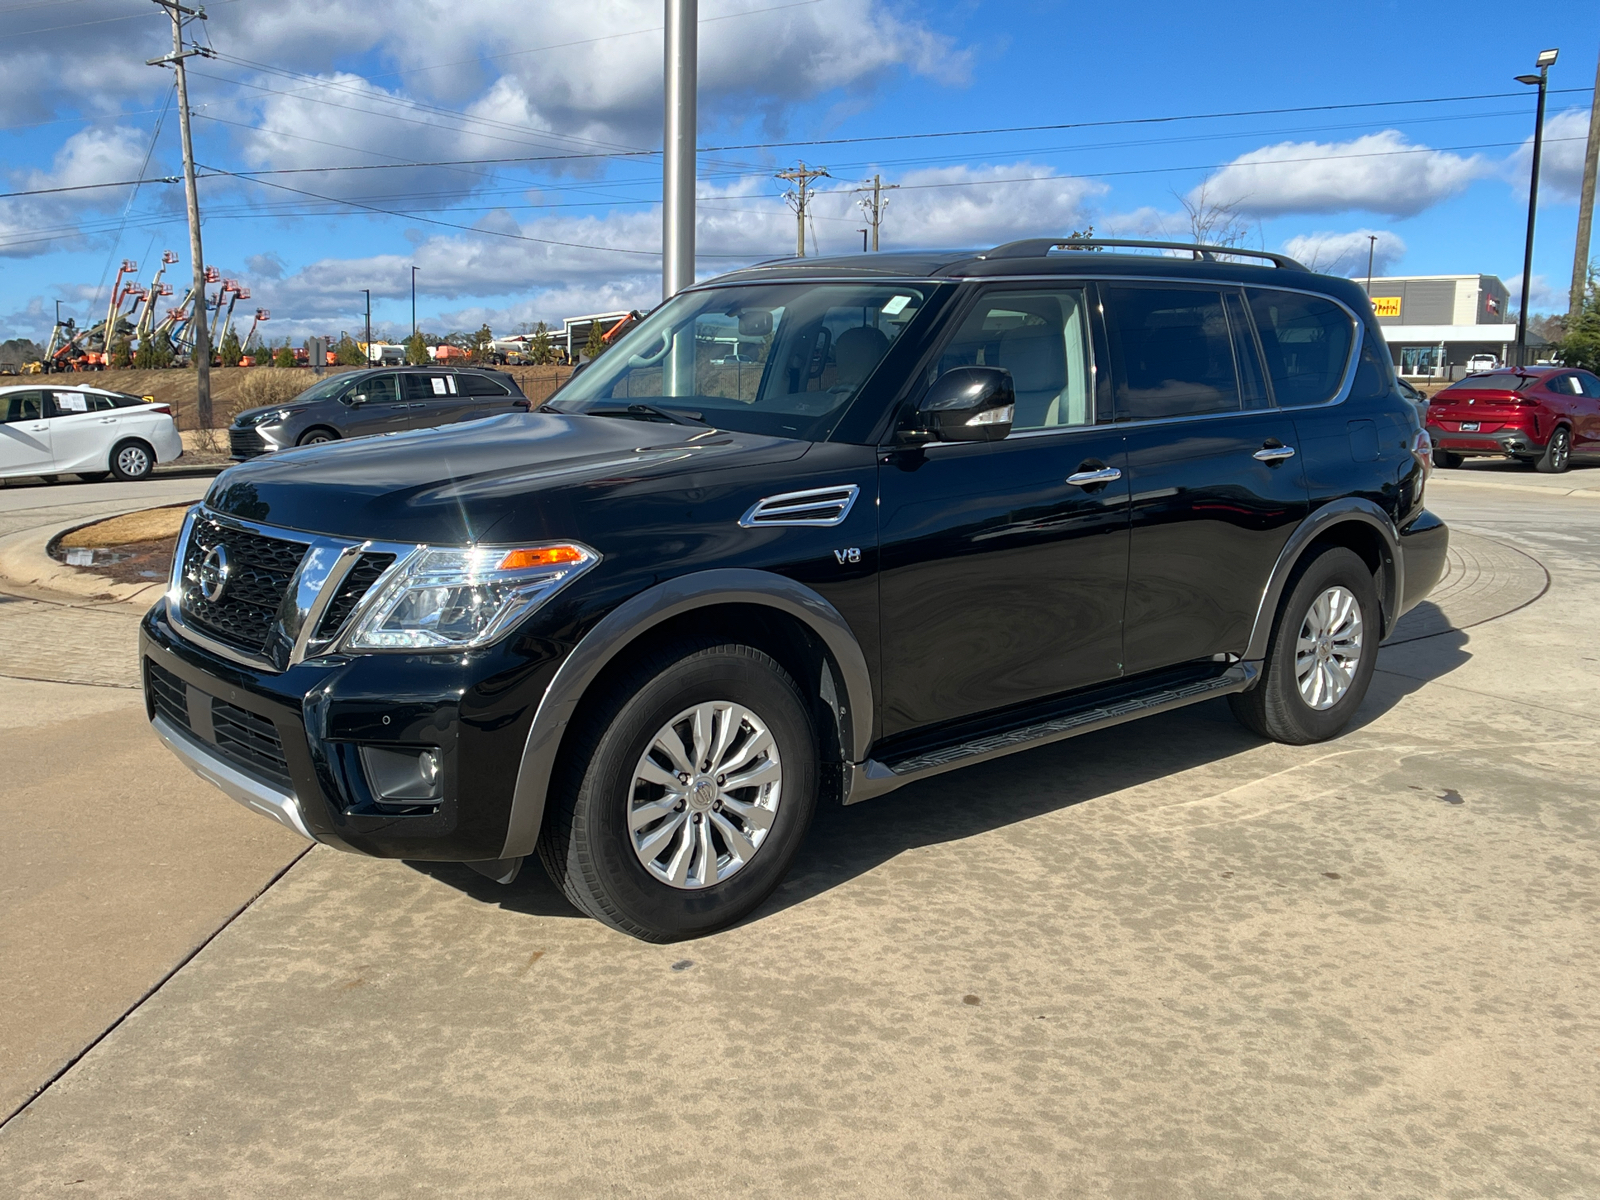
[(413, 301), (1541, 80), (1372, 248), (678, 146), (367, 350)]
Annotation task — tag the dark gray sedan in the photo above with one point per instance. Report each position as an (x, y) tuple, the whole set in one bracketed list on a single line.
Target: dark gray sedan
[(364, 403)]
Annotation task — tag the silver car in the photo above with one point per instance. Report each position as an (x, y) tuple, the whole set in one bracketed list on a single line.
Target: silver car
[(363, 403)]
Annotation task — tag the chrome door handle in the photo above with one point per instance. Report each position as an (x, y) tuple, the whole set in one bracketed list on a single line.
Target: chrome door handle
[(1103, 475), (1269, 454), (108, 420)]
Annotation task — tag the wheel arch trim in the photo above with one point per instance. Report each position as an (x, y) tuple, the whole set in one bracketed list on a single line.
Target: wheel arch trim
[(640, 614), (1343, 511)]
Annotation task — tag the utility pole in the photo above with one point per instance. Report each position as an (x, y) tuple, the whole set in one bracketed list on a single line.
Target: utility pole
[(800, 199), (1591, 159), (681, 128), (202, 343), (413, 301), (1372, 248), (875, 206), (1541, 81), (367, 349)]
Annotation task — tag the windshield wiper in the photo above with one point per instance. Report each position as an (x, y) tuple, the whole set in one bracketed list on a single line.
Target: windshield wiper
[(648, 412)]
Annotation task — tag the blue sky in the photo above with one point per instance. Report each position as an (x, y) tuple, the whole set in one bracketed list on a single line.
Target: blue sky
[(304, 84)]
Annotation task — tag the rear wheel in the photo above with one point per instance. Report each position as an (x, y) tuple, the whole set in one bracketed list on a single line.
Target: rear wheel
[(685, 794), (132, 460), (1320, 661), (1443, 458), (1557, 456), (316, 437)]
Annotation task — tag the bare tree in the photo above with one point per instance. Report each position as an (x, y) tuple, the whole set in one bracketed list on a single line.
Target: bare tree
[(1212, 222)]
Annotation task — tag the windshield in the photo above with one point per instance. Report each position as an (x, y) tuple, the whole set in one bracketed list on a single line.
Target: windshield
[(782, 359), (335, 385)]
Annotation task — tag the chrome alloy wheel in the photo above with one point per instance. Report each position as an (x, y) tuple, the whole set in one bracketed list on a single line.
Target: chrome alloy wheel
[(705, 793), (132, 460), (1328, 651)]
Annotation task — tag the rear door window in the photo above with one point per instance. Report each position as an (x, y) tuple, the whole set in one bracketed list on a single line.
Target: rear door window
[(21, 406), (1564, 385), (440, 386), (1172, 351), (1306, 340), (67, 404)]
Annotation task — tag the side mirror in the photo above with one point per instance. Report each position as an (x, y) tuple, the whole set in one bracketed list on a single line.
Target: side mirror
[(970, 404), (358, 398), (523, 405)]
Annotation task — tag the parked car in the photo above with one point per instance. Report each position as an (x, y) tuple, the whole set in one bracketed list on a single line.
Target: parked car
[(1418, 400), (1482, 362), (1538, 415), (367, 402), (971, 503), (89, 432)]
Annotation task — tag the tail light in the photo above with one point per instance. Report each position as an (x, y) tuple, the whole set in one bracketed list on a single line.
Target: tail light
[(164, 409), (1422, 451)]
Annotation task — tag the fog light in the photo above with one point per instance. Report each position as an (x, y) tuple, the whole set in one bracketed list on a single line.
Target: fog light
[(405, 777)]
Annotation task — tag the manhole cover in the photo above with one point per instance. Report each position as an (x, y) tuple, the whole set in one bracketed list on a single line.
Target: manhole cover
[(1483, 579)]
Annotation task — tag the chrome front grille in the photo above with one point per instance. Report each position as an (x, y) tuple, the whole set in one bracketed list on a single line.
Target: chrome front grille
[(285, 595), (260, 571)]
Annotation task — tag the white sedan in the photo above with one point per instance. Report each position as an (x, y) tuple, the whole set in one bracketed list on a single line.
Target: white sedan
[(88, 431)]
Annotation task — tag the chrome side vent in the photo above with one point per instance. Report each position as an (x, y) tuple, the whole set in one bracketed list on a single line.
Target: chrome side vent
[(816, 506)]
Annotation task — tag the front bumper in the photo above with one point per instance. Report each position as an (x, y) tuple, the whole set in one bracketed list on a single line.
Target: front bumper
[(288, 745), (1512, 441), (245, 444)]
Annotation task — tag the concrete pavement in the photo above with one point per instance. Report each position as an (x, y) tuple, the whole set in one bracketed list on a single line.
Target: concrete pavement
[(1163, 960)]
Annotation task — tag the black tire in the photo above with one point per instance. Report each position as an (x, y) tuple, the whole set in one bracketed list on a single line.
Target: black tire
[(586, 845), (94, 476), (1557, 456), (132, 460), (1446, 460), (1275, 707), (317, 437)]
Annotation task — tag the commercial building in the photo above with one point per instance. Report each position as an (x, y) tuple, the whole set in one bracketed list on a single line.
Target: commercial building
[(1435, 323)]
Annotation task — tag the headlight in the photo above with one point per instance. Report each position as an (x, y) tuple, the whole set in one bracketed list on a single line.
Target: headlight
[(459, 598), (266, 418)]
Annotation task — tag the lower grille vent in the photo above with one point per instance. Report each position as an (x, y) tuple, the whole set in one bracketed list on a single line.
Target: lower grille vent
[(250, 740)]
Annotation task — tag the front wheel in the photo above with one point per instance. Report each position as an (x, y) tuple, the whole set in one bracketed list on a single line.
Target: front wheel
[(685, 794), (1320, 661), (317, 437), (132, 461), (1557, 456)]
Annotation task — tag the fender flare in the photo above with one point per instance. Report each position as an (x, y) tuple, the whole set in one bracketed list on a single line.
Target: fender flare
[(1345, 510), (644, 611)]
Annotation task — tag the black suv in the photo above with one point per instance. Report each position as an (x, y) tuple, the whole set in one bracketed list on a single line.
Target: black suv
[(362, 403), (811, 531)]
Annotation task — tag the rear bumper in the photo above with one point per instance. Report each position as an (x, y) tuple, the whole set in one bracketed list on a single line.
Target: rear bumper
[(1501, 441), (1424, 543)]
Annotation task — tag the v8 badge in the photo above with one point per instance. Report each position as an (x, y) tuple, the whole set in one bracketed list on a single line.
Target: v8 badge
[(851, 555)]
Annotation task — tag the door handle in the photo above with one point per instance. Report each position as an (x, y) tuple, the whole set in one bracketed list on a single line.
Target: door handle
[(1273, 454), (1103, 475), (108, 420)]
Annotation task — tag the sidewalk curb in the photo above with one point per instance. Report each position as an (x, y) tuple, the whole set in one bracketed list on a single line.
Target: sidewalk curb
[(1589, 493), (25, 565)]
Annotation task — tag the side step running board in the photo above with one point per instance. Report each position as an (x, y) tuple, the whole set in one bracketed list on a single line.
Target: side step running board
[(873, 778)]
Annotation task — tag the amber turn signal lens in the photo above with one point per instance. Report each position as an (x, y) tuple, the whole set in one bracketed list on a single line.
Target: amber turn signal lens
[(540, 556)]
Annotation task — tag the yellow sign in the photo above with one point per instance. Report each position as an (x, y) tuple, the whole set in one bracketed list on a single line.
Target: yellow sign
[(1386, 306)]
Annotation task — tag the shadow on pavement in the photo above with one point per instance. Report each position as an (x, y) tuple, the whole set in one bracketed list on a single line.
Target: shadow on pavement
[(847, 842)]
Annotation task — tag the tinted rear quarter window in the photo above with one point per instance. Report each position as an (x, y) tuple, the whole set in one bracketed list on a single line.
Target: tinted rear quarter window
[(21, 406), (1173, 350), (1306, 340), (470, 384)]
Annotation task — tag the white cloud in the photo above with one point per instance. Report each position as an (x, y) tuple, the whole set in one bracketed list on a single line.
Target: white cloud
[(1561, 167), (1543, 296), (1379, 172), (33, 225), (1346, 253)]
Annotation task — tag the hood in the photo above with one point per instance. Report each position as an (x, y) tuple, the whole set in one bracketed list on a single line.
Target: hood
[(515, 477)]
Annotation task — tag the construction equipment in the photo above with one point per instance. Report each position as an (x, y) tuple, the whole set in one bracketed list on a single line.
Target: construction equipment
[(262, 314), (239, 293), (147, 319)]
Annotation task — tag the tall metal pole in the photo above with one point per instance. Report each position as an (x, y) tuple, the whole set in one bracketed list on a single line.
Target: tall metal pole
[(877, 208), (678, 146), (202, 341), (1533, 208), (367, 292), (413, 301), (1591, 160), (1372, 248)]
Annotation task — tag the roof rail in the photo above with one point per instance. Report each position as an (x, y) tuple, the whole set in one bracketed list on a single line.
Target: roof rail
[(1039, 247)]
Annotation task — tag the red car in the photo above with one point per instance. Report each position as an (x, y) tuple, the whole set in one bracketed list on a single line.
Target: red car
[(1539, 415)]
